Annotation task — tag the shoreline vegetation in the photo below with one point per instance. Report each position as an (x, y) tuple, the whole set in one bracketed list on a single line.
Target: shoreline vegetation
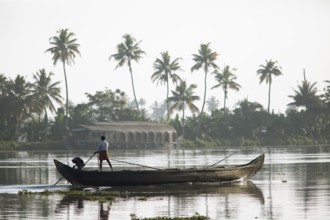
[(186, 143)]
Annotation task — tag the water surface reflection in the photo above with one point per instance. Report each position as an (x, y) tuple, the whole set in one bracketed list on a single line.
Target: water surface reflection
[(293, 184), (170, 200)]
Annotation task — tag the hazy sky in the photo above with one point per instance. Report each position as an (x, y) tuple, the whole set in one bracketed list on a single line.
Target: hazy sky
[(245, 33)]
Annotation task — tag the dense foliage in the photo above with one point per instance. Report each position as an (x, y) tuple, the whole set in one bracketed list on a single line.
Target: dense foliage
[(34, 111), (25, 116)]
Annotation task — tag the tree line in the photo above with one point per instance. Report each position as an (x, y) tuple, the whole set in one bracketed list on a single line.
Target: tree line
[(25, 105)]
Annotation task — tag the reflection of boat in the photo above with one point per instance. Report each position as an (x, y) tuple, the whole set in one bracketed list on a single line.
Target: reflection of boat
[(152, 177), (247, 188), (187, 189)]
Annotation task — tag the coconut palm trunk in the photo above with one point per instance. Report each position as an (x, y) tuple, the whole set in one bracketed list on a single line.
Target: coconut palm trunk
[(133, 88), (46, 125), (202, 110), (66, 99), (270, 85), (224, 100), (183, 122), (167, 102)]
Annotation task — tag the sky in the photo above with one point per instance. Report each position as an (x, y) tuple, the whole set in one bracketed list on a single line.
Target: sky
[(245, 33)]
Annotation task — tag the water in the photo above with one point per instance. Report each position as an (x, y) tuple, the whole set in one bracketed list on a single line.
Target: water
[(294, 183)]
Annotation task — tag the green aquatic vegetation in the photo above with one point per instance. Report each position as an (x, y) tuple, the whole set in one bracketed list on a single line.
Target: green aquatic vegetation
[(25, 192), (142, 199), (320, 173), (87, 195), (196, 216)]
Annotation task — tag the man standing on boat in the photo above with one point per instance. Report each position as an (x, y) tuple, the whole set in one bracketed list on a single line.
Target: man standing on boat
[(103, 152)]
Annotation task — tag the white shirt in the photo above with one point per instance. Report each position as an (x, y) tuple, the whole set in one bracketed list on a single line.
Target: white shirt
[(103, 145)]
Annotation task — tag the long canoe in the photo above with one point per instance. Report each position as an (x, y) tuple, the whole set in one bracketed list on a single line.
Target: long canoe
[(165, 176)]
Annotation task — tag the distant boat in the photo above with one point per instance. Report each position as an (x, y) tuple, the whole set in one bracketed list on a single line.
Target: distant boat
[(155, 177)]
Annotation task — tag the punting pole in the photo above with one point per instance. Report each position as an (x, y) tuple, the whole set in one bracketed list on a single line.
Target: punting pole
[(136, 164), (220, 160)]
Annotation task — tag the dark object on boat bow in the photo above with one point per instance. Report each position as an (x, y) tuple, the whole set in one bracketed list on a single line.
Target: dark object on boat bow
[(79, 162)]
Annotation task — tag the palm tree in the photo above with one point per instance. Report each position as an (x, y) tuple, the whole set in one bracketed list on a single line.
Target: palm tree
[(212, 104), (18, 103), (183, 97), (326, 95), (226, 79), (3, 85), (65, 49), (164, 71), (158, 110), (128, 51), (305, 95), (313, 121), (204, 59), (266, 72), (3, 103), (44, 92)]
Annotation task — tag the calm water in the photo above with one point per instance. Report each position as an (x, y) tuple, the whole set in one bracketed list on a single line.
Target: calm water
[(293, 184)]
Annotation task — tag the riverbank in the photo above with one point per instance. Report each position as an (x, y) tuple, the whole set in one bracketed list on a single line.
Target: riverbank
[(243, 142), (32, 146), (200, 143)]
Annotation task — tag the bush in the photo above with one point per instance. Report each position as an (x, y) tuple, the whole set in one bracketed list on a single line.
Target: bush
[(17, 146), (8, 145)]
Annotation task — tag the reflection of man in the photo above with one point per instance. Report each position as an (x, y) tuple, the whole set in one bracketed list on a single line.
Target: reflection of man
[(80, 203), (103, 152), (104, 214)]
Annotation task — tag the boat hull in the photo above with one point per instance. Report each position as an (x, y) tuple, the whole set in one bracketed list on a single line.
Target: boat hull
[(154, 177)]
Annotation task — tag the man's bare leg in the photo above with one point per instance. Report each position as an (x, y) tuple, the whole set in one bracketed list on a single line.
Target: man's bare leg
[(101, 165), (110, 164)]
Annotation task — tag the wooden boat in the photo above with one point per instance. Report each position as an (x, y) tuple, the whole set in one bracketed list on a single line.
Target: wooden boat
[(153, 177)]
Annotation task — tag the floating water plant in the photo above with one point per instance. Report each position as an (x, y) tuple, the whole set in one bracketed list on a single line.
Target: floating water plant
[(87, 195), (196, 216)]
